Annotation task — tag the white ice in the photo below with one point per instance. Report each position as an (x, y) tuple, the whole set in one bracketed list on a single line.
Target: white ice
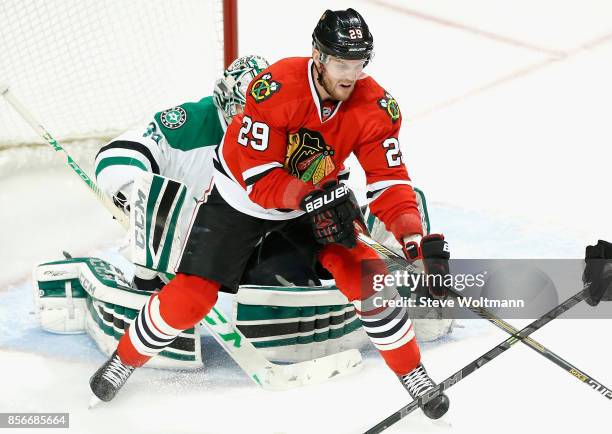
[(506, 111)]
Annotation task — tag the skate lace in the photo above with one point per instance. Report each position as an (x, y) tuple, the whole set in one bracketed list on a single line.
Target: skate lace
[(417, 382), (117, 373)]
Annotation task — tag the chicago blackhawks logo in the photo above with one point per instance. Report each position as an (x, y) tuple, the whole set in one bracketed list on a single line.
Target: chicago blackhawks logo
[(308, 157), (264, 88), (390, 106), (173, 118)]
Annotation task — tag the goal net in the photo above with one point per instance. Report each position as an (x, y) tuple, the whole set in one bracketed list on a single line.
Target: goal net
[(93, 68)]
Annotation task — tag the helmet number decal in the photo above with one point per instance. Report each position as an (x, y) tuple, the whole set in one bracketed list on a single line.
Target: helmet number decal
[(258, 131), (355, 34), (393, 152)]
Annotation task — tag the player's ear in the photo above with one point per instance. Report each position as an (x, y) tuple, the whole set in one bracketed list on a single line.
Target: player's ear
[(316, 56)]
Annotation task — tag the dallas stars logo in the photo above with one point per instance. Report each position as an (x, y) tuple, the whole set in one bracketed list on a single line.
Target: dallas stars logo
[(390, 106), (174, 118), (264, 88)]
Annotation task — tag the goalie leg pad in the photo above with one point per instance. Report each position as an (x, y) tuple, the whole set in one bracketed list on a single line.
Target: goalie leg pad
[(59, 298), (389, 328), (180, 305), (296, 323)]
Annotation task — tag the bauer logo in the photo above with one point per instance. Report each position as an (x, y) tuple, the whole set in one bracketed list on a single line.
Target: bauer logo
[(327, 198), (173, 118)]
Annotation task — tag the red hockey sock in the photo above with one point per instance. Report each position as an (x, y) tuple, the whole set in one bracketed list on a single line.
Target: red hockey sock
[(389, 328), (179, 305)]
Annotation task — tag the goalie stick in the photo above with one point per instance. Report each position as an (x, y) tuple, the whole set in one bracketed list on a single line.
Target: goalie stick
[(479, 362), (269, 375), (500, 323), (63, 155)]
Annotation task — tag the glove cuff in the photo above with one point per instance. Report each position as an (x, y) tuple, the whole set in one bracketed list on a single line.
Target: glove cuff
[(434, 245)]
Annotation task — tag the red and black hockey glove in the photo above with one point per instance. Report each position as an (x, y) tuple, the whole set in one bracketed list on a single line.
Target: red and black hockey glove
[(333, 211), (435, 254), (597, 275)]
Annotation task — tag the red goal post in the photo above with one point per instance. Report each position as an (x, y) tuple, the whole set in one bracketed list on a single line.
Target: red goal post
[(230, 31)]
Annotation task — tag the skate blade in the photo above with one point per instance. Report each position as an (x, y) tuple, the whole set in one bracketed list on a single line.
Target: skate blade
[(93, 402)]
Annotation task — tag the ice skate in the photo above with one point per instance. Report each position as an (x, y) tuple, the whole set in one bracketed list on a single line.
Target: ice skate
[(418, 382), (111, 377)]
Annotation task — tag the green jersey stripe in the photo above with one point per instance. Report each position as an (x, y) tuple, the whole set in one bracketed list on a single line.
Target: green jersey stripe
[(119, 161)]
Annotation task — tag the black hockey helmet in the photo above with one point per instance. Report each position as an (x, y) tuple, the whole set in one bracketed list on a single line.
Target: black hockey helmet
[(343, 34)]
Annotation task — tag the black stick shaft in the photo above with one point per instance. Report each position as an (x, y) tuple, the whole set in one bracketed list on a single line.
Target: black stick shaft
[(500, 323), (550, 355), (480, 361)]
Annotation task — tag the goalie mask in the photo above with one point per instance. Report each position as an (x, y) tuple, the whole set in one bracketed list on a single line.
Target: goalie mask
[(230, 91)]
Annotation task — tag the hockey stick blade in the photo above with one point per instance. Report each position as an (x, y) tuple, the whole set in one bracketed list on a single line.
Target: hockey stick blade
[(483, 313), (273, 376), (479, 362), (284, 377)]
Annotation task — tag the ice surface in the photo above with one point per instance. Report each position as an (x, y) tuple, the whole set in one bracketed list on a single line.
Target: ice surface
[(506, 109)]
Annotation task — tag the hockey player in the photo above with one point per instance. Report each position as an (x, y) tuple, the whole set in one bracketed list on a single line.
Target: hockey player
[(277, 170), (178, 143)]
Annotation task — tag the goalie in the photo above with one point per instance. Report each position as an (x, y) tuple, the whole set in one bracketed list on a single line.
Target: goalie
[(178, 144)]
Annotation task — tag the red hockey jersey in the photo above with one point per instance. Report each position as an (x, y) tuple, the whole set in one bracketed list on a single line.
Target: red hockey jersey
[(287, 134)]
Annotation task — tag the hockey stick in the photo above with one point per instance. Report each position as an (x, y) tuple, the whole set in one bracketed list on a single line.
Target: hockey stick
[(273, 376), (479, 362), (63, 155), (268, 375), (500, 323)]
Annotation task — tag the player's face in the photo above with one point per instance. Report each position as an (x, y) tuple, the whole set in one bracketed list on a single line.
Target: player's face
[(340, 77)]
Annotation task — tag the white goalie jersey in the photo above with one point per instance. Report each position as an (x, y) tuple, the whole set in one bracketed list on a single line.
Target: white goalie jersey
[(177, 144)]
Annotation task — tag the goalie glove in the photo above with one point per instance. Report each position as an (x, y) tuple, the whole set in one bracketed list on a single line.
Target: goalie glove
[(597, 275), (121, 202), (434, 252), (333, 212)]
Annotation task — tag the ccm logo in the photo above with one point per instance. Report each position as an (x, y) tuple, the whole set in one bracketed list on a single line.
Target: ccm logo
[(327, 198)]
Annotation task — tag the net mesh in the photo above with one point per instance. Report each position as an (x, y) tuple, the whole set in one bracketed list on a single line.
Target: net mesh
[(91, 68)]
